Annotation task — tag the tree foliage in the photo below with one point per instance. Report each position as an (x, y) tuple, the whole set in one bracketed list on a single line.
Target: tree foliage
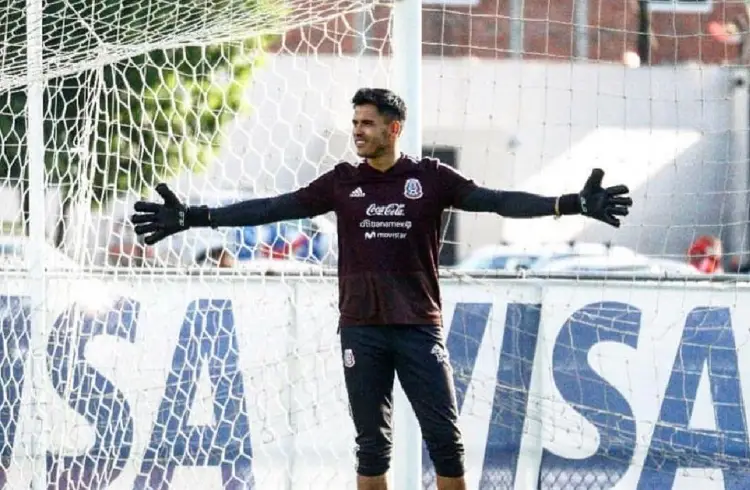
[(126, 124)]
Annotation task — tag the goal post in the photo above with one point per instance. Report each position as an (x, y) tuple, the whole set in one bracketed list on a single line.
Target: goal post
[(37, 235), (407, 74)]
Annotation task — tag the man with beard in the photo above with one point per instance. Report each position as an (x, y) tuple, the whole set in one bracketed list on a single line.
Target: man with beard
[(389, 209)]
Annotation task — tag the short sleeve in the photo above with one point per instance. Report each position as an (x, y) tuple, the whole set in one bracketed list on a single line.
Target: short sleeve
[(317, 196), (453, 186)]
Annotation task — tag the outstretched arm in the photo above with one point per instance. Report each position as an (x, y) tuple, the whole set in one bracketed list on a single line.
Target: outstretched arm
[(157, 221), (594, 201), (253, 212), (516, 204)]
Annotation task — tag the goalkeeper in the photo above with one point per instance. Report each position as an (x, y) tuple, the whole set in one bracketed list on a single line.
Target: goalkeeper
[(388, 210)]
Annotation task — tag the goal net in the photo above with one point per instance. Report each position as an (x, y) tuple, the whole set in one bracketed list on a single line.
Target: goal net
[(583, 356)]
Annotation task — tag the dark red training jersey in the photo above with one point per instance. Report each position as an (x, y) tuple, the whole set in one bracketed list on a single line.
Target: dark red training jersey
[(388, 236), (388, 230)]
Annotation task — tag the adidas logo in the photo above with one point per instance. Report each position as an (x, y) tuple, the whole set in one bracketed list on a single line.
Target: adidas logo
[(358, 192)]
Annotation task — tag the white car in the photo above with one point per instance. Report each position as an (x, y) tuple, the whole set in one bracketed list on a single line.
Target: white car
[(514, 257), (68, 285), (14, 252), (613, 265), (273, 267)]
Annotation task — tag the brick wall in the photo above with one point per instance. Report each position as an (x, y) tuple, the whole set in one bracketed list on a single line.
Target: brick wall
[(483, 31)]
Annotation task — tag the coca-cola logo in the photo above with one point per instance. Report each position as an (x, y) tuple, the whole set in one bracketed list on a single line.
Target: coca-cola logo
[(393, 209)]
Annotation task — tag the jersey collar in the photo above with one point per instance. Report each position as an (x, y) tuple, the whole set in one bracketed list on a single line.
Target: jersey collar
[(401, 165)]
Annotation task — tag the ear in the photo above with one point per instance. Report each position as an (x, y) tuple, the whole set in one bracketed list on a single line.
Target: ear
[(395, 128)]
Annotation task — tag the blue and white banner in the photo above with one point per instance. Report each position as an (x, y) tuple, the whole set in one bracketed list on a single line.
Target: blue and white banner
[(228, 383)]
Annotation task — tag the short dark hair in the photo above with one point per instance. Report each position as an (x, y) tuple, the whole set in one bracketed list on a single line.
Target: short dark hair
[(388, 103)]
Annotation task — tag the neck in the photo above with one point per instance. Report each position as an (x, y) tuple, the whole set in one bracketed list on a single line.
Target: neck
[(384, 161)]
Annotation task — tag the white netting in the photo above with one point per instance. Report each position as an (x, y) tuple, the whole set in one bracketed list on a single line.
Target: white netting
[(174, 372), (79, 35)]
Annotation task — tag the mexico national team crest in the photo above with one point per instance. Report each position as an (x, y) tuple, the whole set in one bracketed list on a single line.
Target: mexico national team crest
[(413, 189), (348, 358)]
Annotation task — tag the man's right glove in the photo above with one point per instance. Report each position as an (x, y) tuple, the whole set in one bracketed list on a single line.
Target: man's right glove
[(604, 204), (158, 221)]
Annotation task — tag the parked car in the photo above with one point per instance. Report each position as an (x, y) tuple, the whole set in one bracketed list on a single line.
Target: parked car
[(309, 240), (69, 287), (513, 257), (272, 267), (14, 252), (613, 265)]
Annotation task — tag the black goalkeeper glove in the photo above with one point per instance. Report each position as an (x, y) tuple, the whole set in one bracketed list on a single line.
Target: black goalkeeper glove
[(158, 221), (604, 204)]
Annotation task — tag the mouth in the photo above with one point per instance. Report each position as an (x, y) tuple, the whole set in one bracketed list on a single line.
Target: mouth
[(359, 143)]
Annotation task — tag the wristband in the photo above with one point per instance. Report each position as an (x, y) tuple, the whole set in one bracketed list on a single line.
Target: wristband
[(568, 204), (198, 216)]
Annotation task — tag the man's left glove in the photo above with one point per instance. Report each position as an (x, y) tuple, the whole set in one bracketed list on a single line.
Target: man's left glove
[(604, 204), (158, 221)]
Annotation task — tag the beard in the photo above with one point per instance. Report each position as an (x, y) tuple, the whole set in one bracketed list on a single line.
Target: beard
[(370, 153), (373, 148)]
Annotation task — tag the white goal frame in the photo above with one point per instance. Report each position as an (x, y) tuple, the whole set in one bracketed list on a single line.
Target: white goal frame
[(407, 57)]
